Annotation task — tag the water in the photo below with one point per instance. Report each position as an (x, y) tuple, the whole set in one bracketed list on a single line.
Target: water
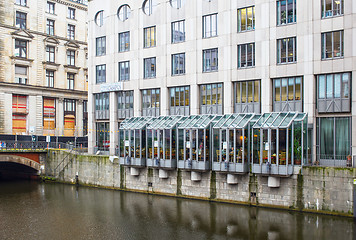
[(29, 210)]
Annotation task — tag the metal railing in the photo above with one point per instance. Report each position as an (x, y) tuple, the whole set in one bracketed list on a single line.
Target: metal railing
[(42, 146), (333, 160)]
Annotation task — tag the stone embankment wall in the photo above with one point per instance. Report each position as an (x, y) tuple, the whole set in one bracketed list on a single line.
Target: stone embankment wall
[(324, 190)]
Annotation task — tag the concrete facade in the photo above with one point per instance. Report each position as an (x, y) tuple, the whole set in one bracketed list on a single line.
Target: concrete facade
[(315, 189), (307, 29), (36, 89)]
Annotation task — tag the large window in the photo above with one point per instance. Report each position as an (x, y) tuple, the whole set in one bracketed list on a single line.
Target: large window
[(246, 55), (211, 98), (330, 8), (210, 25), (286, 50), (286, 11), (288, 94), (124, 42), (149, 67), (70, 81), (102, 105), (50, 54), (71, 57), (178, 31), (85, 117), (333, 140), (49, 116), (50, 27), (334, 92), (71, 13), (149, 6), (246, 19), (151, 102), (125, 104), (332, 45), (20, 48), (100, 46), (179, 100), (21, 2), (124, 71), (19, 114), (21, 20), (71, 31), (102, 136), (69, 117), (50, 7), (149, 37), (210, 60), (21, 74), (178, 64), (247, 95), (101, 73), (50, 78)]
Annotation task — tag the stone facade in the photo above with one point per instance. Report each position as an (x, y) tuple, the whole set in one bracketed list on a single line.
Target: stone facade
[(315, 189), (36, 87)]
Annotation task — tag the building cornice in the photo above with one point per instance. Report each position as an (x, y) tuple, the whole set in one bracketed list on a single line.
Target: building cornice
[(72, 4)]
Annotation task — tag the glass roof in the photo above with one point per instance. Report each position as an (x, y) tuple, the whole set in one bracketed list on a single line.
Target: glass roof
[(135, 123), (198, 121), (279, 120), (235, 120), (166, 122)]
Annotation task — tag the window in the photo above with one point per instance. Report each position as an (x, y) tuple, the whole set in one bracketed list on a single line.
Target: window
[(211, 98), (50, 7), (124, 42), (151, 102), (19, 114), (330, 8), (149, 7), (99, 18), (50, 78), (21, 20), (20, 74), (71, 57), (21, 2), (124, 12), (286, 50), (49, 116), (286, 11), (333, 140), (85, 117), (210, 60), (70, 81), (247, 95), (288, 94), (71, 31), (177, 3), (69, 117), (71, 13), (332, 45), (50, 27), (149, 67), (210, 23), (125, 104), (179, 100), (50, 54), (334, 92), (246, 55), (102, 106), (20, 48), (124, 71), (103, 136), (149, 37), (178, 31), (178, 64), (101, 74), (246, 19), (100, 46)]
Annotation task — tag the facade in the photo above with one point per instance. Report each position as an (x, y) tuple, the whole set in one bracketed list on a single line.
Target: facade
[(159, 58), (43, 67)]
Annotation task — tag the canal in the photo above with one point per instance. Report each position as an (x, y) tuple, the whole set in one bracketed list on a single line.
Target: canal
[(32, 210)]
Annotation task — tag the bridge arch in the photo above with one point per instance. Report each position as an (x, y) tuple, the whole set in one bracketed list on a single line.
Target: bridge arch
[(20, 160)]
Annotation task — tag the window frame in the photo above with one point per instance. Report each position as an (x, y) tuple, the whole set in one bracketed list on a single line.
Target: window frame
[(123, 77), (339, 12), (51, 7), (21, 20), (204, 106), (179, 71), (50, 78), (50, 27), (239, 19), (50, 54), (147, 37), (208, 25), (324, 46), (70, 81), (174, 26), (240, 53), (125, 104), (19, 77), (149, 102), (123, 38), (241, 90), (287, 52), (21, 3), (100, 48), (71, 31), (100, 74), (180, 95), (152, 73), (287, 17), (20, 48), (209, 53), (71, 57), (290, 100), (71, 13)]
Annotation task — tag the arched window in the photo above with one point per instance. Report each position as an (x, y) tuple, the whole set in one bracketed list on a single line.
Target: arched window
[(124, 12), (99, 18)]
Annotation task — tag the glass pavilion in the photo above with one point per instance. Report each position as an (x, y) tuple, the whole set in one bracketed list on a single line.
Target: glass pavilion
[(162, 142), (132, 141), (194, 142), (231, 143), (279, 143)]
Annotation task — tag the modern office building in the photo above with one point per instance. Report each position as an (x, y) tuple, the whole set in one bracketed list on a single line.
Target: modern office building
[(177, 57), (43, 67)]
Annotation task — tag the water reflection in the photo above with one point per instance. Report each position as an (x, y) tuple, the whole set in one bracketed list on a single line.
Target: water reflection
[(54, 211)]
